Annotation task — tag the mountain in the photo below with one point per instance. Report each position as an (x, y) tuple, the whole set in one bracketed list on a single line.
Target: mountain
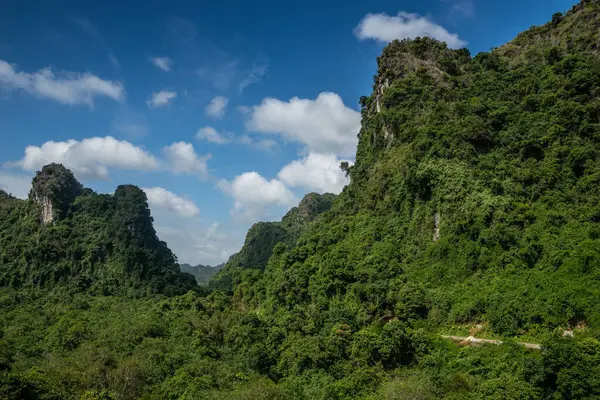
[(202, 273), (474, 188), (264, 236), (67, 237), (473, 210), (473, 202)]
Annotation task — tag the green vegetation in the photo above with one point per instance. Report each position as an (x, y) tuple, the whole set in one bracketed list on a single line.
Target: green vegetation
[(70, 239), (474, 201), (202, 273), (247, 265)]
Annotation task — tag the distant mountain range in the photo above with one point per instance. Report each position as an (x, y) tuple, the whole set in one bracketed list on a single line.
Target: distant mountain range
[(202, 273)]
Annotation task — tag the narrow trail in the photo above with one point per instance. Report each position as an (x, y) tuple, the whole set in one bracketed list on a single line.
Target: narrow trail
[(472, 340)]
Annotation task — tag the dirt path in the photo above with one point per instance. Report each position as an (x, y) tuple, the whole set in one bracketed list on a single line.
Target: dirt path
[(470, 340)]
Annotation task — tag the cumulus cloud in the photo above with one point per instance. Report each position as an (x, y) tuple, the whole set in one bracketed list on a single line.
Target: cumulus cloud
[(89, 158), (161, 198), (160, 99), (324, 124), (210, 134), (385, 28), (71, 88), (216, 107), (164, 63), (183, 159), (253, 193), (316, 172), (16, 184)]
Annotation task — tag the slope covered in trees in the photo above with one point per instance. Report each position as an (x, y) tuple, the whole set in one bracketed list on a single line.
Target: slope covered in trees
[(263, 237), (68, 238), (473, 201)]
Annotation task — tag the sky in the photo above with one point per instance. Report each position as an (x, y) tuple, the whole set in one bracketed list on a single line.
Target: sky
[(226, 113)]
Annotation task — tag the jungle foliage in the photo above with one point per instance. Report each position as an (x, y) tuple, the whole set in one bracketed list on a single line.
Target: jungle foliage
[(98, 243), (474, 201)]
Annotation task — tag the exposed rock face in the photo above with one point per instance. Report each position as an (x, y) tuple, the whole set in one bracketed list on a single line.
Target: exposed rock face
[(54, 188), (47, 208), (420, 58), (379, 90), (436, 231)]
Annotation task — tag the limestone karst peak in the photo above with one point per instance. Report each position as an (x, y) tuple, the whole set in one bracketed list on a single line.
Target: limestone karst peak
[(54, 188)]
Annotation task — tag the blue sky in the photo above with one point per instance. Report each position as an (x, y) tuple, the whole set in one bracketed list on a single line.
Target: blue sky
[(226, 113)]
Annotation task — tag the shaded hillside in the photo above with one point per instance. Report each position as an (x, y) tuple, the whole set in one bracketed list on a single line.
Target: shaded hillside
[(264, 236), (67, 237), (202, 273)]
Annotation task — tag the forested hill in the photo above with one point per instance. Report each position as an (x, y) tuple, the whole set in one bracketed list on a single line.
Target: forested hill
[(251, 260), (473, 209), (474, 194), (68, 238)]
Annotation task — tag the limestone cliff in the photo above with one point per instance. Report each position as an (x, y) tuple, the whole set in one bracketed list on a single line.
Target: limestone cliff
[(54, 189)]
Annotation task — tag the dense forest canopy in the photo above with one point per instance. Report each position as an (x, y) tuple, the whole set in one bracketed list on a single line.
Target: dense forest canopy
[(473, 208), (69, 238), (263, 237)]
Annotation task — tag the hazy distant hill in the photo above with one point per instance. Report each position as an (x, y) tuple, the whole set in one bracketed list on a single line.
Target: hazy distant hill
[(202, 273)]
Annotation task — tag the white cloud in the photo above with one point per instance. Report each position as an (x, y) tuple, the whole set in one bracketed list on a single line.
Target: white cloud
[(160, 99), (210, 134), (324, 124), (216, 107), (16, 184), (316, 172), (195, 242), (164, 63), (183, 159), (385, 28), (89, 158), (72, 88), (253, 193), (161, 198), (255, 75)]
